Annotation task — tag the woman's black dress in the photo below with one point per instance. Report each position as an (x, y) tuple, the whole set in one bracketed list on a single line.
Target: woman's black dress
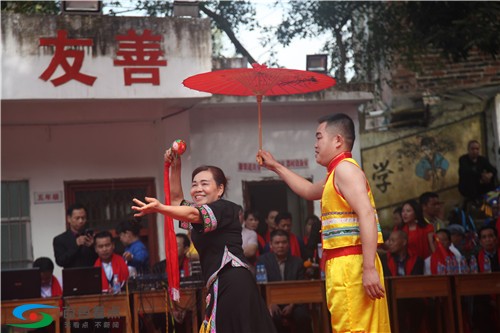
[(234, 304)]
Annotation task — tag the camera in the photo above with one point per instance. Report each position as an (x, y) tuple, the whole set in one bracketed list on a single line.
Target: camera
[(89, 232)]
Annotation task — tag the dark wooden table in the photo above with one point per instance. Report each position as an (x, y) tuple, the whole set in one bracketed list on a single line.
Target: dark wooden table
[(111, 305), (475, 284), (402, 287), (307, 291)]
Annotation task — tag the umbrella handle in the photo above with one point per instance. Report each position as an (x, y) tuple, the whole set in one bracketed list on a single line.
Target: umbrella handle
[(259, 102)]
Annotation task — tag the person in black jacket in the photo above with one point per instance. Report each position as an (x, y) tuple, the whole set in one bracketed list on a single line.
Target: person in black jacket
[(75, 246), (282, 266), (476, 175)]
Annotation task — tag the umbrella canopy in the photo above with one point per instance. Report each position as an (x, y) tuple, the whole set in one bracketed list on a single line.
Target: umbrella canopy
[(259, 81)]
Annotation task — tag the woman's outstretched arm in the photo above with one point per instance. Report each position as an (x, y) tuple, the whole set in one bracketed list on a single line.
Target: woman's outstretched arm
[(152, 205)]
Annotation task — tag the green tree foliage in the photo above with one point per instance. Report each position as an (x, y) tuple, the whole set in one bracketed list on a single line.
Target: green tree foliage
[(31, 7), (368, 34)]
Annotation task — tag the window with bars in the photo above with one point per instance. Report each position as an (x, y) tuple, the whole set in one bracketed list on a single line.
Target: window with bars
[(108, 202), (17, 250)]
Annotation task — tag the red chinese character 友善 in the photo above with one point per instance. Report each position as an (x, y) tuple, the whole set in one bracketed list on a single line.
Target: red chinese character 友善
[(61, 55), (141, 51)]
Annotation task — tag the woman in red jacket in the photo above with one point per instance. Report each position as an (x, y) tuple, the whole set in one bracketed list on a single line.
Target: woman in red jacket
[(420, 233)]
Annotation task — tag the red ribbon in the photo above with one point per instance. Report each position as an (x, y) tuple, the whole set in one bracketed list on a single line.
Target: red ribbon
[(172, 261)]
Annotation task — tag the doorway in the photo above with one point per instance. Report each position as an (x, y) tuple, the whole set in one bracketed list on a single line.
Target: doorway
[(262, 196)]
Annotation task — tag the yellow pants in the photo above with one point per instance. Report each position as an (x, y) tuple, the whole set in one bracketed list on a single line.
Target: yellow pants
[(350, 307)]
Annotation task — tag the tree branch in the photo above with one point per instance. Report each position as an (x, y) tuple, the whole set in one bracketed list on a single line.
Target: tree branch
[(223, 24)]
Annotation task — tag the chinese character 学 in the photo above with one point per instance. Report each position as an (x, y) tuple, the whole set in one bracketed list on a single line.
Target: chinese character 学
[(381, 174), (141, 55), (66, 48)]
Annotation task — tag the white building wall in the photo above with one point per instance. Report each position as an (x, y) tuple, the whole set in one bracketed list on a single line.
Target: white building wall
[(74, 132), (48, 156), (185, 44), (225, 135)]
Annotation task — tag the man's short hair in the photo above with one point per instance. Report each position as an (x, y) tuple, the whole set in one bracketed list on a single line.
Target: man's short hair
[(426, 197), (103, 234), (444, 231), (472, 142), (486, 227), (185, 239), (73, 207), (278, 232), (344, 124), (129, 225), (44, 264), (282, 216)]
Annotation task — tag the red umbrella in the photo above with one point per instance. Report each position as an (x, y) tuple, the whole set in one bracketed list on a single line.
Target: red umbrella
[(259, 81)]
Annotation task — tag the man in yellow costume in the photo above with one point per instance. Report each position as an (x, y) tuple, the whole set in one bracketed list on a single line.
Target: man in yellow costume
[(350, 229)]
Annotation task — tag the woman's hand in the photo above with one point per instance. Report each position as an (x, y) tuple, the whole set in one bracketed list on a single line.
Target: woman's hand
[(152, 206), (169, 156)]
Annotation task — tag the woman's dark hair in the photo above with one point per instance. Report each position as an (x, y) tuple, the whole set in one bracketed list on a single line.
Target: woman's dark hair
[(419, 214), (315, 222), (251, 212), (398, 210), (217, 173), (129, 225)]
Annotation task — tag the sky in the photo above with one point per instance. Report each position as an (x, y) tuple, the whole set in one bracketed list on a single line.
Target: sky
[(293, 56)]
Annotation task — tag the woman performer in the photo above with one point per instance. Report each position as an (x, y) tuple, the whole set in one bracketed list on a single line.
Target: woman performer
[(233, 300)]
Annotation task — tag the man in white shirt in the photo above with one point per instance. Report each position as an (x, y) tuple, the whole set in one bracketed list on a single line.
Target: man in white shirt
[(457, 243)]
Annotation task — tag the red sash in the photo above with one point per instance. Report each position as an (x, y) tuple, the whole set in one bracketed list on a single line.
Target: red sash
[(185, 267), (409, 264), (172, 263), (294, 246), (56, 289), (480, 260), (119, 267)]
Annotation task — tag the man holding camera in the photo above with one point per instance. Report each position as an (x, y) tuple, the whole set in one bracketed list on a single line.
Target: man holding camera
[(75, 246)]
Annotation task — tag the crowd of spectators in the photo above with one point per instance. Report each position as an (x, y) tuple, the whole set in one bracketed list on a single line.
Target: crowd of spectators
[(420, 241)]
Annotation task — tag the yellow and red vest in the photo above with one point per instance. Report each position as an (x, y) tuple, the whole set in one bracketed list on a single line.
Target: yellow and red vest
[(339, 223)]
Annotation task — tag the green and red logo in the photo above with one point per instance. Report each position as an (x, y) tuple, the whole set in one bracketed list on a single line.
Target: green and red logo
[(37, 319)]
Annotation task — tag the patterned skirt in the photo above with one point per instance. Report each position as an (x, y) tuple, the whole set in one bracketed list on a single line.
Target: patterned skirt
[(234, 304)]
